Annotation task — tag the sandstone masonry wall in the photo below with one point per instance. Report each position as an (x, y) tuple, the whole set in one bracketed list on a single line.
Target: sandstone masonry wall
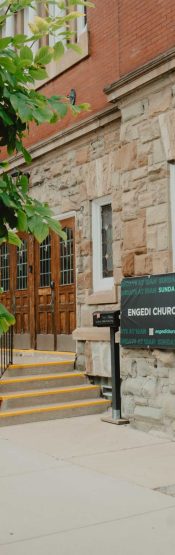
[(68, 179), (146, 147), (129, 160)]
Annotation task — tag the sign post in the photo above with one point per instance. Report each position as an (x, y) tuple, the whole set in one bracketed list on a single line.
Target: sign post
[(112, 320)]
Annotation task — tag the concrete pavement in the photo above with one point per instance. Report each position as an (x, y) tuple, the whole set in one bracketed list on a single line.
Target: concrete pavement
[(81, 486)]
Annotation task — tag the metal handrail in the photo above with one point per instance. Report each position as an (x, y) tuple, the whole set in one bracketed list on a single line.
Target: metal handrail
[(6, 348)]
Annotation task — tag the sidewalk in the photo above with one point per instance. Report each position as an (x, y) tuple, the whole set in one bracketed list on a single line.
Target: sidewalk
[(81, 486)]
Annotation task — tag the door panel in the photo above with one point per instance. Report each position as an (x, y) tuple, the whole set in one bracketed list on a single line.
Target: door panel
[(5, 276), (23, 283), (39, 289), (44, 293), (67, 293), (16, 274)]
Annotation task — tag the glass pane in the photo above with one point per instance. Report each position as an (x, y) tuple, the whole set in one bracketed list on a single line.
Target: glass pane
[(107, 261), (21, 282), (5, 267), (45, 262), (67, 258)]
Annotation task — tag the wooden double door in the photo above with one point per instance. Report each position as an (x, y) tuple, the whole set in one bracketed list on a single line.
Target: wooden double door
[(38, 284)]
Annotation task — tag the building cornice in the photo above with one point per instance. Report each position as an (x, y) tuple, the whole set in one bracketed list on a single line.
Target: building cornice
[(159, 66), (80, 129)]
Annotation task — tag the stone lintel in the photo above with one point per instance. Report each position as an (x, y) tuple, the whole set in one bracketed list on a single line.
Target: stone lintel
[(161, 65), (103, 297)]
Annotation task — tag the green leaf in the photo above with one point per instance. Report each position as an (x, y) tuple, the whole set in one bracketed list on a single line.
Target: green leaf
[(80, 3), (13, 239), (38, 25), (4, 165), (6, 118), (19, 39), (22, 221), (44, 55), (58, 50), (24, 183), (6, 319), (7, 64), (7, 200), (85, 106), (4, 42), (74, 47), (60, 107), (26, 54), (56, 227), (38, 74), (39, 229), (14, 101), (20, 148)]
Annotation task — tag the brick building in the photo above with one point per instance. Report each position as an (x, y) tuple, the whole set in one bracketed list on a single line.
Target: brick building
[(110, 177)]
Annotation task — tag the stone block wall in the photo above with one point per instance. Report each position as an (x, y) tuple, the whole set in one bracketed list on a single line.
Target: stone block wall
[(127, 159), (147, 145), (69, 178)]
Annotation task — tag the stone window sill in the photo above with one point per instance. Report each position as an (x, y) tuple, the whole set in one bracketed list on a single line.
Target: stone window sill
[(69, 59)]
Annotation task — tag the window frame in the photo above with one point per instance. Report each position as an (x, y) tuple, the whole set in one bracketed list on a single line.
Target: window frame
[(99, 282), (70, 57)]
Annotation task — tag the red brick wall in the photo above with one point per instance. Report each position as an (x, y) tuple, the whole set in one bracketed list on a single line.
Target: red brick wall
[(124, 34), (146, 28), (89, 77)]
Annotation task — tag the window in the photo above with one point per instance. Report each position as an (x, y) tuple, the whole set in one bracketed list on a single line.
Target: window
[(18, 23), (5, 267), (102, 244), (21, 282), (45, 262), (67, 258)]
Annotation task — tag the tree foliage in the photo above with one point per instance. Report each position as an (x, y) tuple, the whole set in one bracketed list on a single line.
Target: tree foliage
[(20, 104)]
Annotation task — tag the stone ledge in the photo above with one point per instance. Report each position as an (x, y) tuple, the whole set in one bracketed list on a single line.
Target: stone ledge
[(104, 297), (68, 135), (162, 64), (93, 334)]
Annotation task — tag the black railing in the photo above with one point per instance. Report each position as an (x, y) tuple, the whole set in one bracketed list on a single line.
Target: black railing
[(6, 346)]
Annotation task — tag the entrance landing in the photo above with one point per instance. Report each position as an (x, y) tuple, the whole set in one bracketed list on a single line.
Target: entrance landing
[(30, 356)]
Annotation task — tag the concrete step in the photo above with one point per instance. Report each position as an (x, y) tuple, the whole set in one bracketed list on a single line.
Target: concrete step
[(48, 396), (8, 385), (19, 370), (50, 412)]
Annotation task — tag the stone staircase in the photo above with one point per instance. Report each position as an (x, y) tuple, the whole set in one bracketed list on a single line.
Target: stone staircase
[(47, 390)]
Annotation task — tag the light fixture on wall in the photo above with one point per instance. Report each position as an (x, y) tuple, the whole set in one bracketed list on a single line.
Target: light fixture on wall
[(72, 96)]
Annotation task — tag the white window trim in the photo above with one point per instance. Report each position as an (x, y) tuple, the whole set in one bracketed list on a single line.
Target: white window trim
[(70, 57), (172, 207), (99, 283), (81, 26)]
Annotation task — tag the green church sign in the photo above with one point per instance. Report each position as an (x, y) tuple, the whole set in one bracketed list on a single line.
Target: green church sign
[(148, 311)]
